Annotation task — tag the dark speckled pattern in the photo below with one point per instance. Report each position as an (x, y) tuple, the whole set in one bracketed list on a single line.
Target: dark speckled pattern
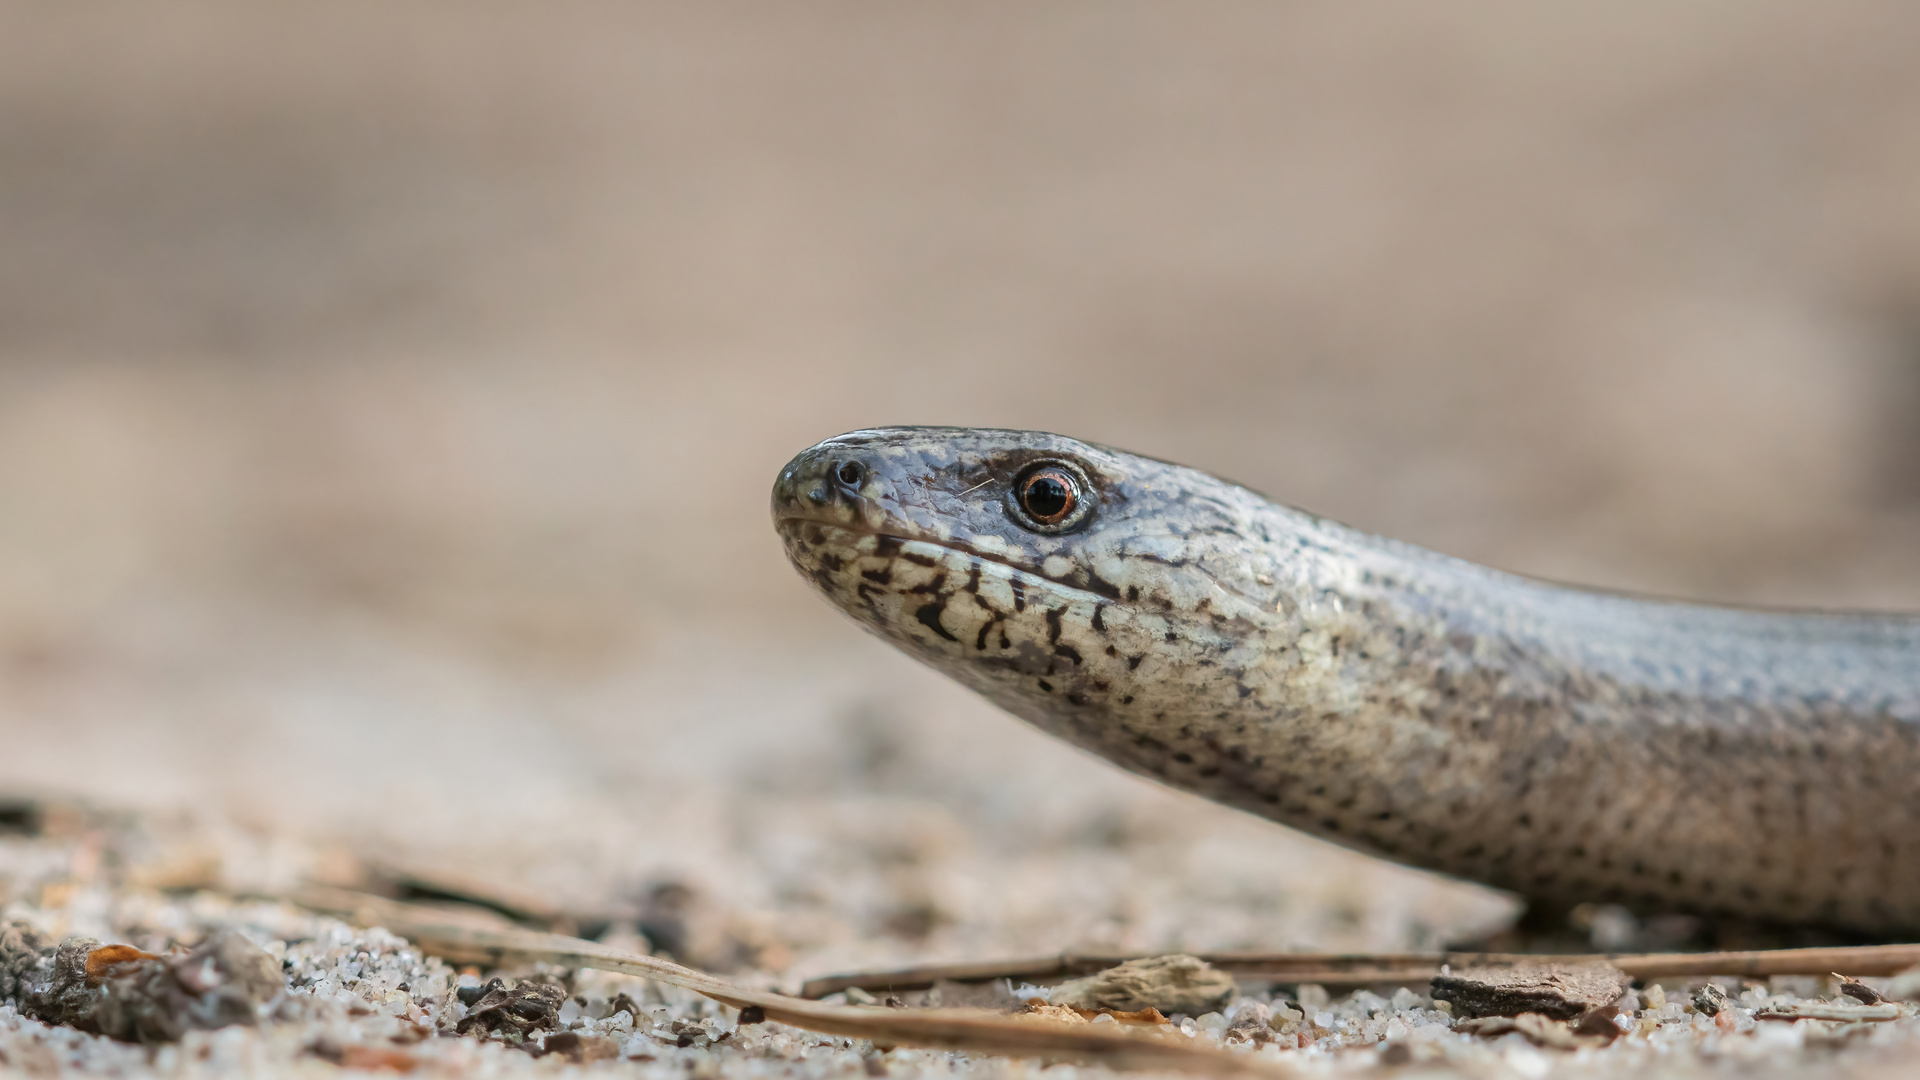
[(1565, 744)]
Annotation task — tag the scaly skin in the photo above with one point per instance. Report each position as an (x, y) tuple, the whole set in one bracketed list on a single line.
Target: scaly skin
[(1565, 744)]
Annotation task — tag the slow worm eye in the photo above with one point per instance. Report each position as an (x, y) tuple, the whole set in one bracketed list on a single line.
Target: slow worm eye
[(1049, 495), (851, 473)]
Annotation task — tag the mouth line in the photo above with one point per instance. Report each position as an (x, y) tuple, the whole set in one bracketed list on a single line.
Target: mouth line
[(960, 549)]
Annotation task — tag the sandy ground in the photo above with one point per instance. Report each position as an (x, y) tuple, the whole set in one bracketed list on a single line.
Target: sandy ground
[(389, 398)]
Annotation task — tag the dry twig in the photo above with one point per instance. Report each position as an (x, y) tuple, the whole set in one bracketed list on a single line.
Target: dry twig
[(1846, 1014), (1341, 970)]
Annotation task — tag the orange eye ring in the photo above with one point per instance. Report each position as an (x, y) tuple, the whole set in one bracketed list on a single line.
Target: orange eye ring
[(1050, 498)]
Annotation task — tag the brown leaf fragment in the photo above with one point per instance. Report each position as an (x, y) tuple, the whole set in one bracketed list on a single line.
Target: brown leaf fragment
[(102, 961), (1176, 983), (1556, 991), (1859, 991)]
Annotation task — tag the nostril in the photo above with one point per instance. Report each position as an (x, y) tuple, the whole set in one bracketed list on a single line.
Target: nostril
[(818, 494), (851, 473)]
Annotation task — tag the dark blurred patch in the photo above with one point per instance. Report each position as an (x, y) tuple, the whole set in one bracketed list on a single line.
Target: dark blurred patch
[(1110, 828), (915, 920), (1117, 827), (21, 817), (877, 746), (665, 918), (55, 818), (1611, 928), (691, 926), (416, 882)]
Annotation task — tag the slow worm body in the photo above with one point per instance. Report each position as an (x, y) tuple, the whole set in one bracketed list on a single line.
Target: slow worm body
[(1566, 744)]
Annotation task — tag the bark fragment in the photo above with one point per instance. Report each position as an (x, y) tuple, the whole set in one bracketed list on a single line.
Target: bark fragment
[(1555, 991), (514, 1012), (1859, 991)]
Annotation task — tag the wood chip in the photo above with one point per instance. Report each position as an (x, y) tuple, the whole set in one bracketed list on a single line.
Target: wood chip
[(1149, 1016), (1176, 983), (1060, 1014), (1552, 990), (1859, 991)]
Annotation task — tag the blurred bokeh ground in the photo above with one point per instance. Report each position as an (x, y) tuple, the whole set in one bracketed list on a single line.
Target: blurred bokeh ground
[(389, 397)]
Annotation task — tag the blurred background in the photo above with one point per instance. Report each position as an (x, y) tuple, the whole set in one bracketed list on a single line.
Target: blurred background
[(389, 397)]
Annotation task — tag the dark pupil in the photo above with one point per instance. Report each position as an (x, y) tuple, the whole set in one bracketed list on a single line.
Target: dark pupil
[(1048, 497), (850, 473)]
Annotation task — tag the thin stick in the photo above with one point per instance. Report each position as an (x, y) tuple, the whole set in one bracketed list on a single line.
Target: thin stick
[(1345, 970), (1325, 969), (981, 1031)]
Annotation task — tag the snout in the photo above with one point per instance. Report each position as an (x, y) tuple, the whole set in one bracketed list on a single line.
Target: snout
[(827, 483)]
